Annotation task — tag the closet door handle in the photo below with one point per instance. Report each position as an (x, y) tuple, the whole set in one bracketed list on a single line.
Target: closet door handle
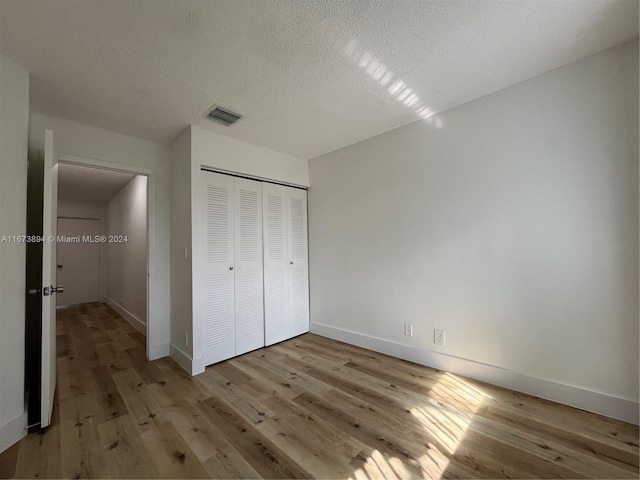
[(230, 268)]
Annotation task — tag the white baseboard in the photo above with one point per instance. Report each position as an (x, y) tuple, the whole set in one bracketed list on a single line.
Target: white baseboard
[(190, 365), (155, 351), (596, 402), (159, 351), (127, 315), (180, 358), (12, 431), (198, 366)]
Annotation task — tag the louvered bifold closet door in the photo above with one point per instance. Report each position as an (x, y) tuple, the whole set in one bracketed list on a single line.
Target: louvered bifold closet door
[(219, 311), (298, 261), (276, 264), (249, 287)]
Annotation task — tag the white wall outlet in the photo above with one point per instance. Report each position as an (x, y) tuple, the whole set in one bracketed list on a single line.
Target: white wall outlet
[(438, 337), (408, 330)]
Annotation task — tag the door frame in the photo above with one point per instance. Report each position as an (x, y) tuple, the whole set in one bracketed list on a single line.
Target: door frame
[(151, 234)]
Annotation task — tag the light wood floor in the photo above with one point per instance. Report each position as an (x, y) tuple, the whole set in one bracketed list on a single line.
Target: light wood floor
[(308, 407)]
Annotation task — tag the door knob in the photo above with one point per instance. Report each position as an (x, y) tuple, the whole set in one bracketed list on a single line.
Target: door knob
[(230, 268), (58, 289), (34, 291)]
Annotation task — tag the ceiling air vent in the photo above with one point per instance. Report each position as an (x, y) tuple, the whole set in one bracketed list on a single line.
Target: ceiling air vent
[(223, 116)]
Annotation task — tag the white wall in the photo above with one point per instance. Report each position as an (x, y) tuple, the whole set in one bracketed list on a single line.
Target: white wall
[(513, 227), (181, 315), (14, 126), (210, 149), (126, 275), (76, 209), (95, 146)]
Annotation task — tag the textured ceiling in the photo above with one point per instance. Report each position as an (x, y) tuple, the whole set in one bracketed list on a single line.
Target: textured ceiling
[(85, 184), (309, 76)]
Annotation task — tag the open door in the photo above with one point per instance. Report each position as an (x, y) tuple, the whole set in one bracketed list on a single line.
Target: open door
[(40, 332), (49, 287)]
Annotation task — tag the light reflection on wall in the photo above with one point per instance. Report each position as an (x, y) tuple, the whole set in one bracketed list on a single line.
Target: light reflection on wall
[(387, 79)]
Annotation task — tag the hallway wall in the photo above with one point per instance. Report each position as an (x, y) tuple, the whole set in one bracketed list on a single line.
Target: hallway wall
[(126, 274)]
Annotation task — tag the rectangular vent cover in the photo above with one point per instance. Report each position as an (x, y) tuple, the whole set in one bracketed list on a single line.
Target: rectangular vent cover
[(223, 116)]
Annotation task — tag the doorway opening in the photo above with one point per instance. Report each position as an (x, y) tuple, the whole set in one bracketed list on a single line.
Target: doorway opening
[(126, 279), (103, 240)]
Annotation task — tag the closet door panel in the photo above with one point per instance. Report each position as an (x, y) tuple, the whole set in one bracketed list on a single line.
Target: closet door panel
[(298, 261), (249, 287), (219, 308), (276, 265)]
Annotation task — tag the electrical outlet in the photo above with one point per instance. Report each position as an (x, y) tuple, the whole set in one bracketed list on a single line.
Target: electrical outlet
[(438, 337), (408, 330)]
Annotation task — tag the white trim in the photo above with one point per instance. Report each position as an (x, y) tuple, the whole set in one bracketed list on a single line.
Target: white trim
[(180, 358), (12, 431), (104, 164), (197, 366), (127, 315), (158, 351), (190, 365), (256, 178), (596, 402), (155, 351)]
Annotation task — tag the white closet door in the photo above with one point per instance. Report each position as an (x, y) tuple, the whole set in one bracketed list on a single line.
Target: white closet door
[(276, 264), (248, 274), (298, 261), (219, 319)]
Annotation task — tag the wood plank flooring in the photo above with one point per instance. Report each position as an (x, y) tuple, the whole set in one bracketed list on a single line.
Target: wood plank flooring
[(309, 407)]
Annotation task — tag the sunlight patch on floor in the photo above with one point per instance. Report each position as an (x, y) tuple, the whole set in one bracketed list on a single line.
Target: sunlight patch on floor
[(377, 466), (445, 415), (457, 403)]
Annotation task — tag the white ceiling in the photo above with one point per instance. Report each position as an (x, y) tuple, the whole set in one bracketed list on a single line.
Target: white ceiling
[(85, 184), (310, 76)]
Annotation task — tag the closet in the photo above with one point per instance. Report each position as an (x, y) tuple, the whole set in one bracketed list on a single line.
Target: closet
[(255, 270), (286, 283)]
